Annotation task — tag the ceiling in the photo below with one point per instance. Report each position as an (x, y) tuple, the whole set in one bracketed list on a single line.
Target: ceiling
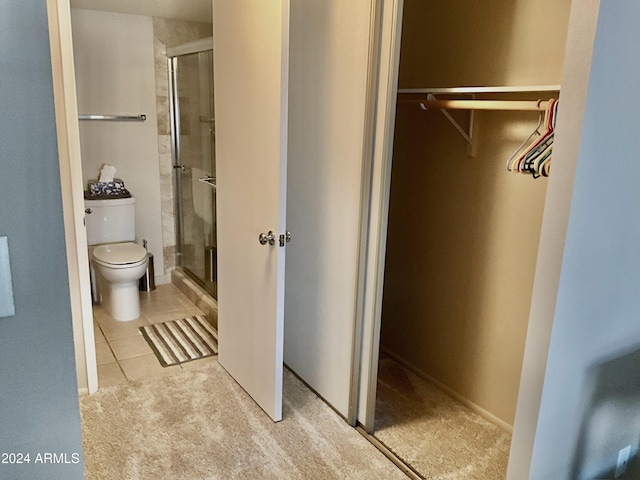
[(195, 10)]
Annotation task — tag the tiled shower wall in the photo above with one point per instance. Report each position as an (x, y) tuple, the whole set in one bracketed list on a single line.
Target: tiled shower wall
[(169, 33)]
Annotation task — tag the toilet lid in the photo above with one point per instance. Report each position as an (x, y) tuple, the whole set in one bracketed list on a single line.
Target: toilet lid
[(119, 253)]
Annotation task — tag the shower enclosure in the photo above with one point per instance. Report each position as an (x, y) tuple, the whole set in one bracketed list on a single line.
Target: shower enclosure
[(194, 166)]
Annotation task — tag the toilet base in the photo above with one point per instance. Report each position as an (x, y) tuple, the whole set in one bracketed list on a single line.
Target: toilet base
[(121, 300)]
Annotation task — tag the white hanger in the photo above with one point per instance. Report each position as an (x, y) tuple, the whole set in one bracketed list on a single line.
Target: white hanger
[(533, 134)]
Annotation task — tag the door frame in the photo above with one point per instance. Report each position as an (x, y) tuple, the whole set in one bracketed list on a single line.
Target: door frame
[(68, 136), (578, 54), (384, 65)]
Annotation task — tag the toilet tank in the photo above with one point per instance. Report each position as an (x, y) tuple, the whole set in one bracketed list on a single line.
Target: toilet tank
[(110, 221)]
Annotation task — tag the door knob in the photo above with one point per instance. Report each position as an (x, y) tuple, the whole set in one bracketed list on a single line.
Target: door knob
[(270, 237)]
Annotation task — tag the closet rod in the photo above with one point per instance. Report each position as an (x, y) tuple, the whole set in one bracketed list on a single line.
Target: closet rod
[(504, 89), (521, 105)]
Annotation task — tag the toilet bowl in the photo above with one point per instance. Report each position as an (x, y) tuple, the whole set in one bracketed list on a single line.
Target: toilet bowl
[(119, 266)]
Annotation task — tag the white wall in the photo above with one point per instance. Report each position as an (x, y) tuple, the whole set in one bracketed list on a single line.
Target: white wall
[(598, 306), (115, 75)]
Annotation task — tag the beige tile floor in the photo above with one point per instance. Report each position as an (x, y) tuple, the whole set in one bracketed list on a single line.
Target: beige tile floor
[(122, 352)]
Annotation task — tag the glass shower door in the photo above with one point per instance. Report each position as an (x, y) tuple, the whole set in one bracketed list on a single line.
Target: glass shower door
[(194, 165)]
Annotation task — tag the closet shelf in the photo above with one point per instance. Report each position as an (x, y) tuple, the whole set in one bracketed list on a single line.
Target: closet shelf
[(471, 90), (414, 95)]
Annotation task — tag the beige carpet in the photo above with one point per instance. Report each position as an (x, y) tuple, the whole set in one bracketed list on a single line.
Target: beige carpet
[(438, 437), (199, 424)]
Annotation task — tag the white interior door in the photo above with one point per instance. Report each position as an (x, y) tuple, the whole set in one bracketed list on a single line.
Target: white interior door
[(251, 45)]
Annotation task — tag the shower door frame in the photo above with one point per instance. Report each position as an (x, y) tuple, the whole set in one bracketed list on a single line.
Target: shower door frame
[(173, 54)]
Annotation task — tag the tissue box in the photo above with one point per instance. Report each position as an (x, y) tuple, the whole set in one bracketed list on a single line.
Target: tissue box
[(102, 189)]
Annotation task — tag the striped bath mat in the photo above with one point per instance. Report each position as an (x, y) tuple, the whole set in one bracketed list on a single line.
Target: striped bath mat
[(180, 341)]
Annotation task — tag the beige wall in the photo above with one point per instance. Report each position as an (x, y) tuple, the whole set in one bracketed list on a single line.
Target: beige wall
[(502, 42), (463, 233)]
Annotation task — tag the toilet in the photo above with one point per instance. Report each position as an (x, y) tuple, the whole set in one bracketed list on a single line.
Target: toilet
[(116, 262)]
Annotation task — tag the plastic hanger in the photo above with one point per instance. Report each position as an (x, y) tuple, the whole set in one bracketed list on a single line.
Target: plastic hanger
[(527, 141), (545, 140), (544, 165), (517, 164)]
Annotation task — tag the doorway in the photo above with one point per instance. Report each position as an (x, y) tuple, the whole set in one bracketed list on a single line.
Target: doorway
[(144, 155)]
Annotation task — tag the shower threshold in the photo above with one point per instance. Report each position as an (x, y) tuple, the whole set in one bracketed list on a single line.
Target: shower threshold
[(196, 294)]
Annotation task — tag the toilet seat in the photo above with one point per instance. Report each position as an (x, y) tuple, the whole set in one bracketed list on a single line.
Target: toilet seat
[(120, 255)]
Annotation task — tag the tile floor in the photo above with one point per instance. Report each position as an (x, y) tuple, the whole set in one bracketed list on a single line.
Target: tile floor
[(122, 352)]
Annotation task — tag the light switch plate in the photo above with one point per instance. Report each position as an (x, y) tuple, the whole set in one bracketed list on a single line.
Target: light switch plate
[(7, 305)]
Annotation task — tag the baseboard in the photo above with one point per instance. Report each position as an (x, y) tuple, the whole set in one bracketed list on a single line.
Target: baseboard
[(82, 391), (449, 391), (162, 279)]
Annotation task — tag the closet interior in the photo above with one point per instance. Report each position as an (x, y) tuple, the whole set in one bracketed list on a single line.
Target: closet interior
[(467, 197)]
